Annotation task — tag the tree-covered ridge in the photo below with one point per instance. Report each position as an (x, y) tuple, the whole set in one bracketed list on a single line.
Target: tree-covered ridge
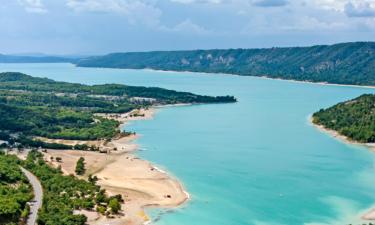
[(346, 63), (19, 81), (55, 123), (15, 191), (354, 119)]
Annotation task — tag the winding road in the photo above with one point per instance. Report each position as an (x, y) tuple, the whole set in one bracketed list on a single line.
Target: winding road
[(38, 196)]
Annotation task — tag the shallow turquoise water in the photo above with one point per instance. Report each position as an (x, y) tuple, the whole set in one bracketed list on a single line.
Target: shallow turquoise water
[(257, 161)]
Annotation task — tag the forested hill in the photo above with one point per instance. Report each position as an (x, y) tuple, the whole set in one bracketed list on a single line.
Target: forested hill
[(39, 107), (23, 82), (354, 119), (346, 63)]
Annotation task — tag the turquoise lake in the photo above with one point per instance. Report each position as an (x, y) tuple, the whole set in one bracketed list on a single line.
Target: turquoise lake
[(258, 161)]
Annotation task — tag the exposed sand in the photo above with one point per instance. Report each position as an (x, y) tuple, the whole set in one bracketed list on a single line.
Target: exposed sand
[(370, 215), (120, 172), (137, 114), (340, 137), (71, 142)]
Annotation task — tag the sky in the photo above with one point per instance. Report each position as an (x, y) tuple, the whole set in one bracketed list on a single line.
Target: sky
[(90, 27)]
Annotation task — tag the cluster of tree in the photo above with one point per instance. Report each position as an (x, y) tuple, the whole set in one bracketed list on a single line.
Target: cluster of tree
[(64, 194), (55, 123), (354, 119), (80, 166), (82, 102), (346, 63), (15, 191)]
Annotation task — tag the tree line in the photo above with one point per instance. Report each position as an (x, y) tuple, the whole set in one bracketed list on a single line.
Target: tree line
[(354, 119)]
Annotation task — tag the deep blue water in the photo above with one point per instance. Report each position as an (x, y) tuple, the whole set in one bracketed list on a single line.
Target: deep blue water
[(258, 161)]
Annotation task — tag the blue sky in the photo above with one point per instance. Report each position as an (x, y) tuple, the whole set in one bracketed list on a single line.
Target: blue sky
[(102, 26)]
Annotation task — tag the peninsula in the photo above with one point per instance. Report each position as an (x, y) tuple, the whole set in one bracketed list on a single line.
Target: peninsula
[(72, 138), (353, 120)]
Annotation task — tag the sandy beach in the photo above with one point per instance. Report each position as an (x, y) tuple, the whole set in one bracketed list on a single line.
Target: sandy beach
[(120, 171)]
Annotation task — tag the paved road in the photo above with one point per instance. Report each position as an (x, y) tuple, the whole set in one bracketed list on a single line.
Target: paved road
[(38, 196)]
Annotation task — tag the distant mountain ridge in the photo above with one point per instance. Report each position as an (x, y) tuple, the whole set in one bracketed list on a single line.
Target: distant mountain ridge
[(35, 59), (345, 63)]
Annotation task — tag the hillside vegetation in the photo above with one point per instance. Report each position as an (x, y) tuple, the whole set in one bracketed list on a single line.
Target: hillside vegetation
[(347, 63), (39, 107), (64, 194), (15, 191), (354, 119)]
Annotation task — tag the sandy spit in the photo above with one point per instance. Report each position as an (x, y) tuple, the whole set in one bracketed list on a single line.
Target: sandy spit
[(120, 171)]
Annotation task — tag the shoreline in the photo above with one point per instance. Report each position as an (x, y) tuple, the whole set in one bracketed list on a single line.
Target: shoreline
[(367, 214), (232, 74), (141, 183), (261, 77), (340, 137)]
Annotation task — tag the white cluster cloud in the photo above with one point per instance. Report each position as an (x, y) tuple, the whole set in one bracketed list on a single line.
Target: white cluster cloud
[(352, 8), (360, 9), (187, 26), (33, 6), (137, 11), (270, 3), (337, 5), (198, 1), (246, 17)]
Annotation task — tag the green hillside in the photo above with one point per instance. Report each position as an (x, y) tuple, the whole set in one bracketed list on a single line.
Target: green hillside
[(40, 107), (15, 191), (346, 63), (354, 119)]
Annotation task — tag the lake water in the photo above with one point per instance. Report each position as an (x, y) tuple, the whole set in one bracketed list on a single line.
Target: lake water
[(258, 161)]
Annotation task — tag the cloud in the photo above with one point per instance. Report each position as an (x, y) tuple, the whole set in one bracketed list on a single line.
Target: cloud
[(335, 5), (136, 11), (187, 26), (361, 9), (182, 24), (198, 1), (306, 23), (33, 6), (270, 3)]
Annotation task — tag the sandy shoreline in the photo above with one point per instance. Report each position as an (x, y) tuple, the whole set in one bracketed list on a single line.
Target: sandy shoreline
[(340, 137), (120, 171), (370, 213)]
